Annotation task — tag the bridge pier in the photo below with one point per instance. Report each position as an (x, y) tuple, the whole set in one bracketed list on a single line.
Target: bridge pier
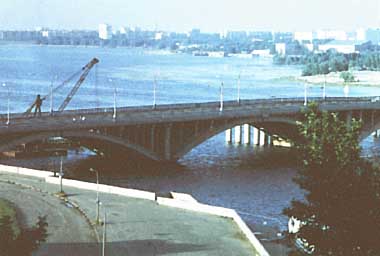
[(168, 136), (229, 136), (247, 134), (261, 137), (237, 134), (256, 136)]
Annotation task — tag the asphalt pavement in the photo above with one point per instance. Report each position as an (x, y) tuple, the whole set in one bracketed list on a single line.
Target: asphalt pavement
[(133, 226)]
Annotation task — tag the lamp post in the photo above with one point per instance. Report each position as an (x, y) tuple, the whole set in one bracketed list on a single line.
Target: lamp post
[(238, 89), (221, 97), (8, 105), (104, 233), (154, 92), (60, 176), (114, 98), (305, 94), (97, 194)]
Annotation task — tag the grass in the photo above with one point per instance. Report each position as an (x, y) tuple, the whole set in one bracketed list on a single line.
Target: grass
[(7, 209)]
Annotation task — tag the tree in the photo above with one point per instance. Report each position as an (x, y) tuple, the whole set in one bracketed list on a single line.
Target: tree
[(341, 213), (23, 243), (347, 76)]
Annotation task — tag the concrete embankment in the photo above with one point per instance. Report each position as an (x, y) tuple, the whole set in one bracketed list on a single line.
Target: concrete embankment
[(140, 223)]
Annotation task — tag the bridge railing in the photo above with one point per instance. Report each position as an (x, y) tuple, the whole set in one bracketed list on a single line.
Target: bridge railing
[(216, 105)]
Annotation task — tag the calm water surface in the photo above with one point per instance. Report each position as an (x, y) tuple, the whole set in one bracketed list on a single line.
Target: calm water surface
[(255, 181)]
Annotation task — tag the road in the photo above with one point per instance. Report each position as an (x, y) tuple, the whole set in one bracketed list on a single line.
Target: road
[(68, 232)]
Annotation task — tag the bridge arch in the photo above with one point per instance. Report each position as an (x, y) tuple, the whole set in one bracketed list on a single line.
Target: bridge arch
[(79, 136)]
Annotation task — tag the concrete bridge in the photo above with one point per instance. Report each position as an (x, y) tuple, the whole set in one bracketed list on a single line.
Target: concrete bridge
[(167, 132)]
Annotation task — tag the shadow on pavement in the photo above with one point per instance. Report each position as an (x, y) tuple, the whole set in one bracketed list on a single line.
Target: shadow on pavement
[(130, 248)]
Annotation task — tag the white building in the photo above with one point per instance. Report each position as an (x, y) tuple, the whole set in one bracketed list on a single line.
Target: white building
[(105, 31), (303, 36), (345, 47), (281, 48), (331, 34)]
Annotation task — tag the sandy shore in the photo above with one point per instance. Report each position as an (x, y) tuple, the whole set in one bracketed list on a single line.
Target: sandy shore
[(365, 78)]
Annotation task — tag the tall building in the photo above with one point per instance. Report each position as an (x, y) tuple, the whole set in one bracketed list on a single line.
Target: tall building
[(105, 31)]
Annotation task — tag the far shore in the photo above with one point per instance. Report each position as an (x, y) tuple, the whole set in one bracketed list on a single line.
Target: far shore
[(362, 78)]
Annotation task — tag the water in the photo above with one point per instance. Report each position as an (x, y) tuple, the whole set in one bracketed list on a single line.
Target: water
[(257, 182)]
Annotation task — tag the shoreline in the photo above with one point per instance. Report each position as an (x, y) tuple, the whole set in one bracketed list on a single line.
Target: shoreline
[(362, 78)]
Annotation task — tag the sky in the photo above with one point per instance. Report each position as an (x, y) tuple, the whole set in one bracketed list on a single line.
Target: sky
[(183, 15)]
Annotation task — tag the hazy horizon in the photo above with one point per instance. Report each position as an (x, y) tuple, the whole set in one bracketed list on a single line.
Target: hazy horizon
[(210, 16)]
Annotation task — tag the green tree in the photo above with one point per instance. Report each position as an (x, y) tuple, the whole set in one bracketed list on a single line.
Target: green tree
[(341, 213), (23, 243), (347, 76)]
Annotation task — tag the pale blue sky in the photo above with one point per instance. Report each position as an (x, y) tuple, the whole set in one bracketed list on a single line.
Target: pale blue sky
[(181, 15)]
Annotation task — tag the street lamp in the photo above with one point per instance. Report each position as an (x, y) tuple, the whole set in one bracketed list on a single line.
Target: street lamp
[(8, 111), (154, 92), (221, 97), (305, 94), (238, 89), (97, 194), (114, 98), (104, 233), (60, 176)]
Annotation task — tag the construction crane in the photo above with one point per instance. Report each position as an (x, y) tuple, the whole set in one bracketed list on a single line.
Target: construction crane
[(85, 70)]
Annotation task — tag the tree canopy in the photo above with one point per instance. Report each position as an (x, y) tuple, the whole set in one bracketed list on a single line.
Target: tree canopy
[(341, 212)]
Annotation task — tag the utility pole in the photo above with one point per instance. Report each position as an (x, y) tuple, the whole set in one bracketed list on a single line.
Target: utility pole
[(221, 97)]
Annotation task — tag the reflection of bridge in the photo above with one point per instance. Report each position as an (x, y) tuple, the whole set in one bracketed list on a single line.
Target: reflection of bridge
[(168, 132)]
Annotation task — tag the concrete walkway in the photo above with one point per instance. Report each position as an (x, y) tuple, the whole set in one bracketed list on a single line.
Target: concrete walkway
[(134, 226)]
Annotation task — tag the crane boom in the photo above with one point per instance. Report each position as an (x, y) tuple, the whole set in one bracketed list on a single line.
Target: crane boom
[(86, 69)]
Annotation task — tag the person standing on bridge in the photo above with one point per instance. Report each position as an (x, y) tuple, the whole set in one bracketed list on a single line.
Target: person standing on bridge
[(38, 103)]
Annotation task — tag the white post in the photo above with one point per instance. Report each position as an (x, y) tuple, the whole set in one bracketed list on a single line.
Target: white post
[(305, 94), (221, 97), (238, 134), (228, 135), (247, 134), (114, 103)]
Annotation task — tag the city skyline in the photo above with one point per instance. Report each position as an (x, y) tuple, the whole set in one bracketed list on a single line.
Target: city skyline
[(210, 16)]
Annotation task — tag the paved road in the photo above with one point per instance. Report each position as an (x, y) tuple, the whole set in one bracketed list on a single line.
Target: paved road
[(138, 227), (69, 233)]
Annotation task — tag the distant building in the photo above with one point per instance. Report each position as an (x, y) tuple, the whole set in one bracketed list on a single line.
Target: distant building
[(339, 35), (360, 34), (158, 36), (105, 31), (261, 53), (236, 35), (303, 36), (345, 47), (373, 35), (280, 49)]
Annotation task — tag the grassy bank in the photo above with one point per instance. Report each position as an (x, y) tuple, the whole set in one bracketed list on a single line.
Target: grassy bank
[(7, 209)]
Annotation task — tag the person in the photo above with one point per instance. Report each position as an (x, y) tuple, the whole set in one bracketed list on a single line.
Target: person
[(38, 104)]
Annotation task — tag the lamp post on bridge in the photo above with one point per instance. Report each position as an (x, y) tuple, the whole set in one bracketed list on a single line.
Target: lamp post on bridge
[(305, 94), (114, 98), (154, 92), (238, 89), (221, 97), (97, 195), (8, 104)]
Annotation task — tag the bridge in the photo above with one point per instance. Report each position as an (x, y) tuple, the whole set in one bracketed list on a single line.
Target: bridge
[(167, 132)]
